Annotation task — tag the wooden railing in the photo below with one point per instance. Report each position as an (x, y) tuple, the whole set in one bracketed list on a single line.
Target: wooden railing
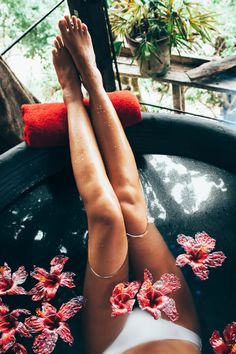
[(177, 77)]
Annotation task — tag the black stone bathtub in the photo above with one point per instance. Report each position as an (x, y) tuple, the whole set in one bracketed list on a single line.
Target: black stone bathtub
[(187, 168)]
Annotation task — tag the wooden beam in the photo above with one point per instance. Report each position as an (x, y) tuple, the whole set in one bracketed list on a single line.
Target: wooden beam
[(214, 67), (225, 82)]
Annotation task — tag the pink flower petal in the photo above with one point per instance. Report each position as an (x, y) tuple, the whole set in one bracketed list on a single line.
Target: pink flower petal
[(126, 291), (148, 276), (38, 292), (22, 330), (120, 309), (215, 259), (65, 333), (145, 306), (217, 343), (16, 313), (200, 270), (49, 292), (169, 308), (17, 290), (7, 341), (39, 274), (122, 299), (186, 242), (167, 284), (69, 309), (48, 309), (206, 242), (45, 342), (4, 309), (57, 264), (66, 279), (34, 324), (230, 333), (182, 260), (5, 271), (19, 277), (19, 349)]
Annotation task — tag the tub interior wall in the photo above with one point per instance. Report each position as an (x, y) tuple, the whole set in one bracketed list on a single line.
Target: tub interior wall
[(183, 196)]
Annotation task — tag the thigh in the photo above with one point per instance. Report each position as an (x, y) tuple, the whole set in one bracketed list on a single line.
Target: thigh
[(165, 347), (151, 252), (100, 329)]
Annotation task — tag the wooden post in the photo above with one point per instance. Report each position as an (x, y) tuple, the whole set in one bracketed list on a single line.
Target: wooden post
[(92, 13), (178, 97)]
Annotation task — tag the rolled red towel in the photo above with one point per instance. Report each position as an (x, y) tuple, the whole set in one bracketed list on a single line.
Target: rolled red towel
[(45, 124)]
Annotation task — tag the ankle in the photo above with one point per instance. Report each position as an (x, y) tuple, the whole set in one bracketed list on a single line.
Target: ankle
[(93, 82), (72, 95)]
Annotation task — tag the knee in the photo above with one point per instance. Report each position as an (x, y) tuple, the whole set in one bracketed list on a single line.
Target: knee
[(133, 207), (105, 212)]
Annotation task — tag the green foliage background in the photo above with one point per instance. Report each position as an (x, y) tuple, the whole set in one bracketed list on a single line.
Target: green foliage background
[(17, 15)]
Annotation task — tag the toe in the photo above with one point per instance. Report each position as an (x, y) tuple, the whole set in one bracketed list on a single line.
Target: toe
[(79, 24), (56, 43), (59, 39), (74, 20), (62, 24), (84, 28), (68, 22), (54, 52)]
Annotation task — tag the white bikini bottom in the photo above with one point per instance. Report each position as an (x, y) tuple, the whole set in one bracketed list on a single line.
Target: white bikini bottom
[(141, 328)]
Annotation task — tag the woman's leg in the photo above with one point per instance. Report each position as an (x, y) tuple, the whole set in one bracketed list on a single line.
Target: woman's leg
[(115, 149), (149, 251), (107, 251)]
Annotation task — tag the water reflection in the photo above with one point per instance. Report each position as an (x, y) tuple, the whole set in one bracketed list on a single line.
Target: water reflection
[(63, 249), (189, 188), (155, 208), (39, 236)]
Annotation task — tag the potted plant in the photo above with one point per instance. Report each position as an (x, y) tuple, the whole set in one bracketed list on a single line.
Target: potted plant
[(152, 27)]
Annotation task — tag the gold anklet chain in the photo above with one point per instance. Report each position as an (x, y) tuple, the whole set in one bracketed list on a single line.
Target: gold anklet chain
[(110, 275), (138, 235)]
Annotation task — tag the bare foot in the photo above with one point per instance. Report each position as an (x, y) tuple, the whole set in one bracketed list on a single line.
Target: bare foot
[(66, 72), (78, 41)]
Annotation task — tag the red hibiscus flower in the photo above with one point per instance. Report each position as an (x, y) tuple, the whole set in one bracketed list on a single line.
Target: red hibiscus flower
[(48, 283), (153, 297), (198, 254), (227, 346), (9, 282), (9, 327), (52, 324), (122, 299), (9, 344), (19, 349)]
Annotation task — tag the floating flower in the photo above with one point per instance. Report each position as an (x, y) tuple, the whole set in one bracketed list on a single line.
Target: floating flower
[(198, 254), (16, 348), (9, 282), (226, 345), (122, 299), (52, 324), (19, 349), (4, 309), (153, 297), (10, 326), (48, 283)]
